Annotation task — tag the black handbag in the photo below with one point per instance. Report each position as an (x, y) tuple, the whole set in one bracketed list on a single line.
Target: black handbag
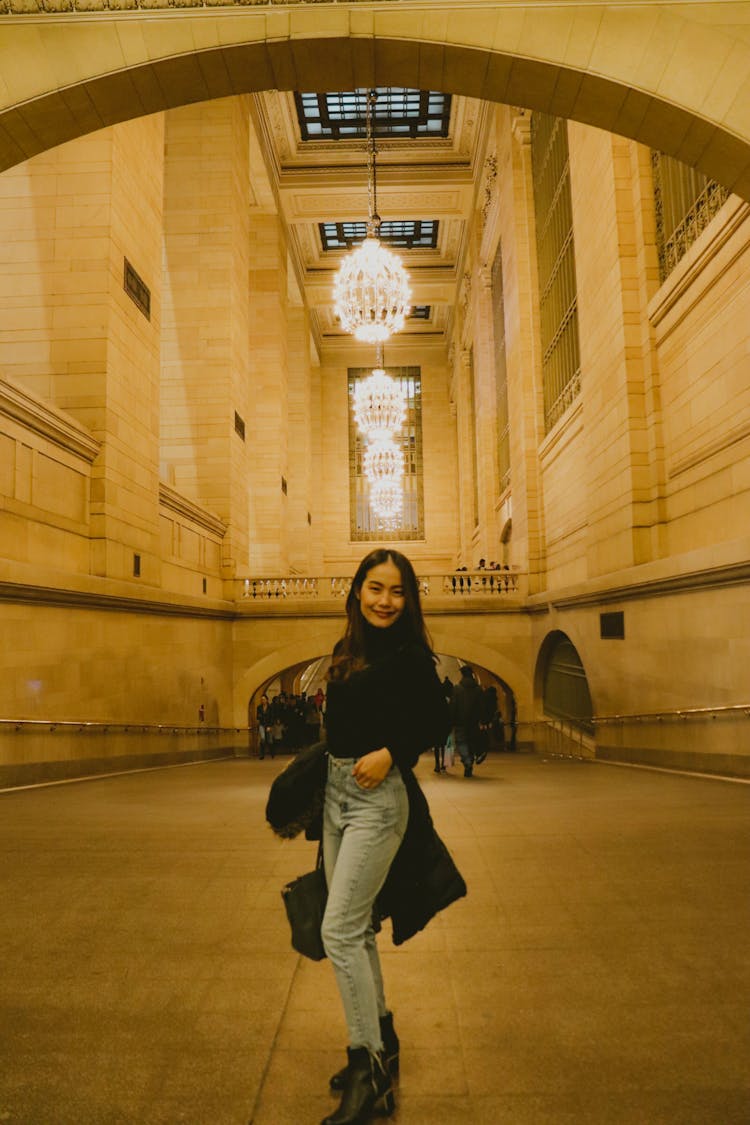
[(305, 903)]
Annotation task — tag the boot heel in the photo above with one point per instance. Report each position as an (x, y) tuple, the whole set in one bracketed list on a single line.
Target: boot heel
[(387, 1104)]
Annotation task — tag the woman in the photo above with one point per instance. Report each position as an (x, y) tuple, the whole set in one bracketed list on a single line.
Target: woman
[(385, 706)]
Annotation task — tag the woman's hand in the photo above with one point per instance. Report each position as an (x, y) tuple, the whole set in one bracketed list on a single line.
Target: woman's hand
[(372, 768)]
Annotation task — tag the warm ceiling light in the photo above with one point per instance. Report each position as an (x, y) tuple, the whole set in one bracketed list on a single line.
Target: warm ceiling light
[(379, 405), (386, 500), (383, 460), (371, 289)]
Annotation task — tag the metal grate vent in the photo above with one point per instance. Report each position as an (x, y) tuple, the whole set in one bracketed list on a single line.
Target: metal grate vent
[(612, 626), (137, 290)]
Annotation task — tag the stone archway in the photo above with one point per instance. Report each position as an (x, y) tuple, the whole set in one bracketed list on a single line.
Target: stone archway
[(671, 78)]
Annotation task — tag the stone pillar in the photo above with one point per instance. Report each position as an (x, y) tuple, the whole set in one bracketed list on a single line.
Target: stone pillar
[(301, 484), (485, 404), (462, 398), (269, 468), (81, 340), (525, 407), (611, 311), (205, 394)]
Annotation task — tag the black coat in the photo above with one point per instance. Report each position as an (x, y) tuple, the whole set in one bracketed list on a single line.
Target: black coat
[(423, 879)]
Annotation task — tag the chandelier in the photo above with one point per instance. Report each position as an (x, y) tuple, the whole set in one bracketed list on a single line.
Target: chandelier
[(383, 460), (379, 410), (371, 291), (386, 500), (379, 404)]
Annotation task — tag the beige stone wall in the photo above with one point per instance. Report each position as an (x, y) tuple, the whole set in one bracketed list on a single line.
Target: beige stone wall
[(76, 340), (141, 670), (701, 318), (45, 482), (204, 348)]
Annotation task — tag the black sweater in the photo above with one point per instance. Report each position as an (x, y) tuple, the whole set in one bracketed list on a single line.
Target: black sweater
[(396, 700)]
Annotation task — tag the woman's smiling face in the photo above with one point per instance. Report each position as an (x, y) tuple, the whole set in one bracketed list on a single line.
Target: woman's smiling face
[(381, 596)]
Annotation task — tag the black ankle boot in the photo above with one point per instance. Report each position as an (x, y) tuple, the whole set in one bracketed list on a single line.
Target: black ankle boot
[(367, 1088), (390, 1050)]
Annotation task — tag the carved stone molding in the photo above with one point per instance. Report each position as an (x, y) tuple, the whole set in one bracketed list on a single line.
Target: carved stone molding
[(170, 498), (55, 7), (23, 407), (490, 185)]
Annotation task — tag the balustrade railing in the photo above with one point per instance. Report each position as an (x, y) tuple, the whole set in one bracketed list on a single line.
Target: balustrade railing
[(457, 584)]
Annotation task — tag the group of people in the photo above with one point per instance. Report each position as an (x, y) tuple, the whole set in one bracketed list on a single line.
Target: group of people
[(289, 722), (476, 722)]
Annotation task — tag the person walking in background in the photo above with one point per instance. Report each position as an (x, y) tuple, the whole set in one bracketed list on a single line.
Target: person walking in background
[(488, 720), (384, 706), (466, 715), (263, 717), (440, 751)]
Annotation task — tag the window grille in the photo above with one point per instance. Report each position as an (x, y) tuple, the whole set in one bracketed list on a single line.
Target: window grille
[(364, 525), (402, 234), (561, 364), (501, 375), (398, 113), (566, 691), (685, 201), (136, 289)]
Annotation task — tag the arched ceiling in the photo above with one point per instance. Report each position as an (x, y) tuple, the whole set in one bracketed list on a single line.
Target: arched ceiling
[(674, 76)]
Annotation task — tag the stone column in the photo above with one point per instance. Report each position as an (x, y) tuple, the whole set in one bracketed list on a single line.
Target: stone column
[(521, 296), (205, 393), (81, 340), (301, 486), (611, 313), (485, 404), (269, 466), (462, 398)]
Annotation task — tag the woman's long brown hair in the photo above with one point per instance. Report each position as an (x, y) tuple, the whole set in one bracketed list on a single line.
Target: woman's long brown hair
[(350, 652)]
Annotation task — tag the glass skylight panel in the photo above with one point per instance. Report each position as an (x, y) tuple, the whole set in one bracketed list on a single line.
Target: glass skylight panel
[(399, 112), (407, 234)]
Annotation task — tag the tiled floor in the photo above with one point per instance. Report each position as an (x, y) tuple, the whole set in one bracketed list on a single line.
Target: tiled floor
[(596, 973)]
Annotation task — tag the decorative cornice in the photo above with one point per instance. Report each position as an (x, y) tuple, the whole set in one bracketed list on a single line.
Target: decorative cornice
[(90, 599), (188, 509), (108, 7), (734, 574), (34, 414), (706, 249)]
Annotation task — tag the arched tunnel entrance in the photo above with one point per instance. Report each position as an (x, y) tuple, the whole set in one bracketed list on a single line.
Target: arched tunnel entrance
[(295, 698)]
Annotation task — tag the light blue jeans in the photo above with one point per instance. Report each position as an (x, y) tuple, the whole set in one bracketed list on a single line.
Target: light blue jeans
[(362, 830)]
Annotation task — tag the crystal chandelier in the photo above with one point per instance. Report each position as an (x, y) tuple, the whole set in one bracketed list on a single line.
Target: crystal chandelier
[(379, 404), (383, 460), (386, 500), (371, 289)]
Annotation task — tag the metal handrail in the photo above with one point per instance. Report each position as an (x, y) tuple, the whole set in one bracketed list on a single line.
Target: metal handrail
[(678, 713), (141, 728)]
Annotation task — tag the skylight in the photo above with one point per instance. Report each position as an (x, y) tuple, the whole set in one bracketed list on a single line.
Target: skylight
[(411, 234), (398, 113)]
